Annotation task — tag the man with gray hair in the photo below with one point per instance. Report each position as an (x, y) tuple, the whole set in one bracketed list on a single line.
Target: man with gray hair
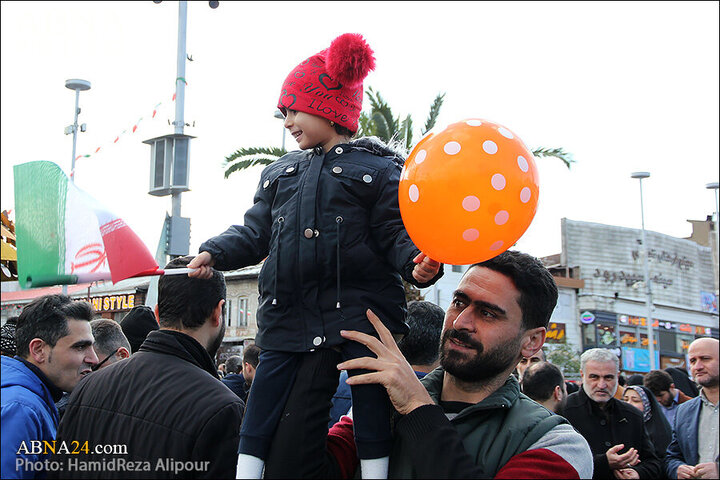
[(615, 430)]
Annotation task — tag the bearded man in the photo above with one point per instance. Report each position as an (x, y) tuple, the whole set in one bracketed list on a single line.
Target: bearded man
[(468, 418), (164, 407)]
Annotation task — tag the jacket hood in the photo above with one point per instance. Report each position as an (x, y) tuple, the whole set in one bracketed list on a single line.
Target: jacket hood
[(15, 373), (374, 145)]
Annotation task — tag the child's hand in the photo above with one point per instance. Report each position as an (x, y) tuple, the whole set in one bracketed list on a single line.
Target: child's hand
[(426, 268), (202, 263)]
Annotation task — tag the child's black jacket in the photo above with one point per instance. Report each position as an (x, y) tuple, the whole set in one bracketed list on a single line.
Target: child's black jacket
[(310, 210)]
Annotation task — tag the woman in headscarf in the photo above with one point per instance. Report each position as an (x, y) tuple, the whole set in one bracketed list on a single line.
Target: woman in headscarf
[(656, 424)]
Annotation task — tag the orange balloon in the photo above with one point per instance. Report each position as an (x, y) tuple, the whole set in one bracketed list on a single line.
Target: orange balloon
[(469, 192)]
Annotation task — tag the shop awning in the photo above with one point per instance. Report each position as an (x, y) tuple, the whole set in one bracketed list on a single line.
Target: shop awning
[(8, 252)]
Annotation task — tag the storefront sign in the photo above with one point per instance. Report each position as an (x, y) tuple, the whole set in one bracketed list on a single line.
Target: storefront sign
[(555, 333), (113, 302), (673, 259), (587, 318), (630, 279), (642, 322)]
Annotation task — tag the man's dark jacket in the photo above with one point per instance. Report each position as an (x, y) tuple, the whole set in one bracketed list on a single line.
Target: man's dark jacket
[(236, 383), (619, 423), (316, 217), (164, 402)]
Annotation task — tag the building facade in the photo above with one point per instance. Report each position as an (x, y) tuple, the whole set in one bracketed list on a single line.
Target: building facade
[(612, 308)]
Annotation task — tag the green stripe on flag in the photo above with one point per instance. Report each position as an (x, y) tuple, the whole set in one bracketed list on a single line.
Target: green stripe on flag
[(40, 194)]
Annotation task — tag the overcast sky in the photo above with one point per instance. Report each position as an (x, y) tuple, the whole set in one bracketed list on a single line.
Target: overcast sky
[(622, 86)]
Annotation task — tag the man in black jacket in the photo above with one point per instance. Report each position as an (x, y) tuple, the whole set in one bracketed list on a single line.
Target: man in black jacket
[(162, 413), (615, 431)]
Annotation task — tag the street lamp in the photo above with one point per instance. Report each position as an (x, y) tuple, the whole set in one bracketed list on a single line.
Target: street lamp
[(714, 186), (77, 85), (646, 272), (278, 114)]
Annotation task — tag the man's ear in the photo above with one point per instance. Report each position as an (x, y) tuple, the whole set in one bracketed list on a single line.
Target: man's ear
[(157, 314), (122, 353), (532, 341), (37, 350), (558, 393), (217, 316)]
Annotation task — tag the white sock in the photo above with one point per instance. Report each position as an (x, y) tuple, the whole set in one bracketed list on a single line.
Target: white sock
[(374, 467), (249, 466)]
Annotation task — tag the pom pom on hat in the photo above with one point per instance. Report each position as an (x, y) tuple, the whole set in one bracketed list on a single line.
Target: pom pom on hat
[(349, 59), (329, 84)]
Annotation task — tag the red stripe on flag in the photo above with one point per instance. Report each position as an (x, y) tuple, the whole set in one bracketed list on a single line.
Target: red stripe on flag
[(127, 255)]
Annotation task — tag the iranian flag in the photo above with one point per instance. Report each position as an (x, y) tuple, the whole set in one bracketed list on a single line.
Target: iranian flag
[(64, 236)]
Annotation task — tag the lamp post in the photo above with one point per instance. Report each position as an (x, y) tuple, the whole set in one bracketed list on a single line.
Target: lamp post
[(278, 114), (646, 273), (714, 186), (77, 85)]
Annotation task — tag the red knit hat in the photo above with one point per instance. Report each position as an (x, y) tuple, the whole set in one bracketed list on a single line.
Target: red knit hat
[(330, 83)]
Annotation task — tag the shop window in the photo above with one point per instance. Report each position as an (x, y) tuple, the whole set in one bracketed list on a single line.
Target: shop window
[(606, 335), (243, 313), (588, 336), (628, 337), (683, 342), (228, 312), (667, 341), (644, 339)]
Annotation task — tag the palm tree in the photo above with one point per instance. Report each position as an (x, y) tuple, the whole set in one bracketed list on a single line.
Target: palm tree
[(247, 157), (379, 122)]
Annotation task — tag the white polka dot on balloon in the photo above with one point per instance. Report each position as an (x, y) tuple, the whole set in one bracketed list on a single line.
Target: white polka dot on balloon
[(505, 133), (498, 181), (474, 123), (470, 235), (522, 163), (420, 157), (414, 193), (525, 195), (490, 147), (497, 245), (502, 217), (471, 203), (452, 148)]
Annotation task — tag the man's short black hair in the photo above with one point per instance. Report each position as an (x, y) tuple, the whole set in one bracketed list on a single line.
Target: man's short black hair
[(538, 291), (185, 302), (7, 337), (234, 364), (421, 346), (108, 336), (540, 380), (251, 355), (658, 381), (46, 318)]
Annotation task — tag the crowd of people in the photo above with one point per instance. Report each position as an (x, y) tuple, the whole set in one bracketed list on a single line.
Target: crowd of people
[(473, 394), (346, 380)]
